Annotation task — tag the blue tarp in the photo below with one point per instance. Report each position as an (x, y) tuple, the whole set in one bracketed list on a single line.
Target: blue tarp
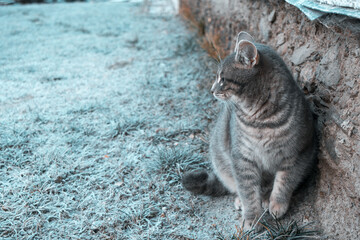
[(314, 10)]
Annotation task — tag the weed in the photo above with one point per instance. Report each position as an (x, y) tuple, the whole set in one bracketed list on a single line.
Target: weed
[(138, 215), (124, 126), (174, 161), (274, 230), (289, 230)]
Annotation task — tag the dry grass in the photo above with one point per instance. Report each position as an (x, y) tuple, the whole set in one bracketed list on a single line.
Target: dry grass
[(209, 41), (186, 12)]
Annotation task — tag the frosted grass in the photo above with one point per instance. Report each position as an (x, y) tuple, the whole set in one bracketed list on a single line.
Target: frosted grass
[(103, 107), (94, 98)]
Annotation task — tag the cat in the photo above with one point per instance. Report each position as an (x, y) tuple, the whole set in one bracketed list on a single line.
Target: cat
[(264, 143)]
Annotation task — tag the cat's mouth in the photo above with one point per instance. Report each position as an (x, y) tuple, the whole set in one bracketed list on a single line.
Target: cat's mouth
[(220, 96)]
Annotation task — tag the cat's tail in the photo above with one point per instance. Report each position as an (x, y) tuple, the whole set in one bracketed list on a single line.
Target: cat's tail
[(201, 182)]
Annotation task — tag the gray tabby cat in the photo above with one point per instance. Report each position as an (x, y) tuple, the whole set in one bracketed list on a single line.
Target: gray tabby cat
[(264, 136)]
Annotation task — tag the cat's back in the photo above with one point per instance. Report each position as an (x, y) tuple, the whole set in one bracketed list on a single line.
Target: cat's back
[(273, 63)]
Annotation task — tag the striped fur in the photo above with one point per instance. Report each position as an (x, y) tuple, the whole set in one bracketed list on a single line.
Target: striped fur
[(264, 135)]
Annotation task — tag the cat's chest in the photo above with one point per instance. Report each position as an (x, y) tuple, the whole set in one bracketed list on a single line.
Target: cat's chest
[(257, 137), (255, 143)]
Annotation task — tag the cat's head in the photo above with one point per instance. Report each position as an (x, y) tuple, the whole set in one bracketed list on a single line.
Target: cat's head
[(237, 69)]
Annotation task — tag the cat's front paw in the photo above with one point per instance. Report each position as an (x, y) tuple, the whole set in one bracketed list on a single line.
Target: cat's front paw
[(249, 225), (278, 209), (265, 203), (237, 203)]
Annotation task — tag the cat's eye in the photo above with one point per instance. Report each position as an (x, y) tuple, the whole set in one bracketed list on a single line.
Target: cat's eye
[(222, 80)]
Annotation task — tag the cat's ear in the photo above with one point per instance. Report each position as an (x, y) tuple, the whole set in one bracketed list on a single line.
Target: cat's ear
[(246, 54), (243, 36)]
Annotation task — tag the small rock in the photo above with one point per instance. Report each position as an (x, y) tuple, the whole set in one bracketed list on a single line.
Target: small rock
[(256, 5), (131, 38), (324, 94), (335, 99), (307, 74), (264, 28), (354, 93), (272, 16), (315, 56), (357, 147), (348, 127), (302, 53), (350, 83), (280, 39), (330, 149), (58, 179), (96, 225), (296, 76), (330, 56), (282, 50), (118, 184), (329, 75), (356, 52), (328, 71), (154, 212)]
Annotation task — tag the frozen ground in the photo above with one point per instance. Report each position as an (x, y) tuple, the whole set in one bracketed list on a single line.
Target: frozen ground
[(102, 108)]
